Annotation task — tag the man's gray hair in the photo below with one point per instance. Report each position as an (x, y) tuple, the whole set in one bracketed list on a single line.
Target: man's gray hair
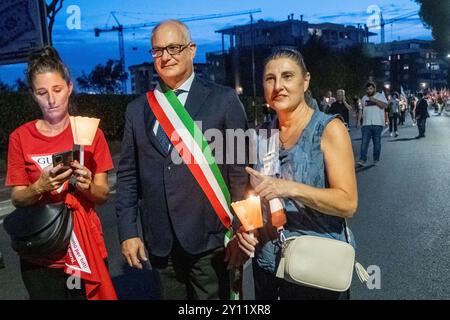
[(184, 27)]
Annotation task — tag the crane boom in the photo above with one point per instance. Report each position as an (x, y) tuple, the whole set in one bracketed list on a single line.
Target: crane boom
[(120, 28), (189, 19)]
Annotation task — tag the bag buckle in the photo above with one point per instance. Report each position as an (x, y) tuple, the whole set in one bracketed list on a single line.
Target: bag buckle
[(281, 236)]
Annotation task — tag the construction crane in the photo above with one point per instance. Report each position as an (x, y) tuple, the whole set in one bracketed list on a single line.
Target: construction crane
[(383, 22), (119, 28)]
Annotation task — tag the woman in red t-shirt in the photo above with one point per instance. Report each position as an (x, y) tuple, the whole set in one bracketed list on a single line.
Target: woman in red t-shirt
[(36, 181)]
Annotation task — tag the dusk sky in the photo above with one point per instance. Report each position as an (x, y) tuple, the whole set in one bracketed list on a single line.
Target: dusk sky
[(81, 50)]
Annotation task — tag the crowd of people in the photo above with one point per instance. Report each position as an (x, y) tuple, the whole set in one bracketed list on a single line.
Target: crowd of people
[(376, 110)]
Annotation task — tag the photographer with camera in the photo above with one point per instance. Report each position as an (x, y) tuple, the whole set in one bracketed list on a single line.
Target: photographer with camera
[(37, 181)]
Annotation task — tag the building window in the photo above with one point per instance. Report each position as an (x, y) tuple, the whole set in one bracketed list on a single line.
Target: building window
[(390, 58), (398, 57), (434, 66), (405, 67)]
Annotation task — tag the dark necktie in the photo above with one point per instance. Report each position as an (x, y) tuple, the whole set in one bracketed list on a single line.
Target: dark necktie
[(161, 136)]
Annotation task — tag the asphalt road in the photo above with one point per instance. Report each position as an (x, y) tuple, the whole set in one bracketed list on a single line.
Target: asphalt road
[(402, 225)]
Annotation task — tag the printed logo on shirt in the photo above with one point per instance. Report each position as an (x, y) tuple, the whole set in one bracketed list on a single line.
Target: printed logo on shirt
[(42, 162), (370, 103), (76, 259)]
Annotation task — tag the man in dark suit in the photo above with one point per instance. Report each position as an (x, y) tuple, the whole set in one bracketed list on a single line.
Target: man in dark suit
[(421, 115), (182, 232)]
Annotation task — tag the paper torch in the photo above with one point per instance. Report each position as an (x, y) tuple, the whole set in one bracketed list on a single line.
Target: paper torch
[(83, 131), (249, 214)]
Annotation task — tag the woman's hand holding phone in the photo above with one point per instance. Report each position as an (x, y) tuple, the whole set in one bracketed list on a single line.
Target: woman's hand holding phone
[(52, 178), (83, 176)]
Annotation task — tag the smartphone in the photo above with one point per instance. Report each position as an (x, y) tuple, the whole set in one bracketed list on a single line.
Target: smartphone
[(65, 157)]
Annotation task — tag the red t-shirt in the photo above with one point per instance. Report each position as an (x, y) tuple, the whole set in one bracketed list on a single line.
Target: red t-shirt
[(30, 151)]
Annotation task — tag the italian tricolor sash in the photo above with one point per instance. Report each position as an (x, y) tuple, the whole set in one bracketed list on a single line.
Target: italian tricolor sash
[(193, 148)]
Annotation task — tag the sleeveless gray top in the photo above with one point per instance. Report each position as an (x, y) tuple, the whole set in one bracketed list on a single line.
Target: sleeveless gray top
[(304, 163)]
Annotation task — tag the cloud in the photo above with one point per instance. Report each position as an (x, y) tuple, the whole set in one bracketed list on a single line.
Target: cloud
[(342, 14)]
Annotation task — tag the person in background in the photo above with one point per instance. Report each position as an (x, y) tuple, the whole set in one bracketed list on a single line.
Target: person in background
[(372, 111), (421, 114), (357, 108), (327, 101), (341, 107), (411, 107), (310, 100), (393, 111), (403, 107)]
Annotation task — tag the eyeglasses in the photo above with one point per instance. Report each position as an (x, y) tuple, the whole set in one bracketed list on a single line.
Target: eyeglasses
[(172, 49)]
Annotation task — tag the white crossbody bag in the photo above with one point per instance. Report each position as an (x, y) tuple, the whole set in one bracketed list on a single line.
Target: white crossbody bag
[(319, 262), (313, 261)]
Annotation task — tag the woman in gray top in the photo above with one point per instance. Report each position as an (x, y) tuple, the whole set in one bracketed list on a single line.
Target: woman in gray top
[(315, 178)]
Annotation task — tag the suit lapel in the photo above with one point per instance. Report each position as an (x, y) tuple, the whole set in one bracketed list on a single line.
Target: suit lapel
[(198, 94), (149, 119)]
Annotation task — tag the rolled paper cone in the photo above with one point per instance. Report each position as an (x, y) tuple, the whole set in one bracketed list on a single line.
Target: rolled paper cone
[(249, 213), (84, 129), (277, 213)]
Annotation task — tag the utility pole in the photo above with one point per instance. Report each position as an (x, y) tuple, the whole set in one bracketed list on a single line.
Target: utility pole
[(253, 71)]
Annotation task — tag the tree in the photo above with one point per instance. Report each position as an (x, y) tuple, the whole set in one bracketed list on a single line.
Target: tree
[(435, 14), (347, 69), (21, 86), (5, 87), (104, 78), (52, 9)]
